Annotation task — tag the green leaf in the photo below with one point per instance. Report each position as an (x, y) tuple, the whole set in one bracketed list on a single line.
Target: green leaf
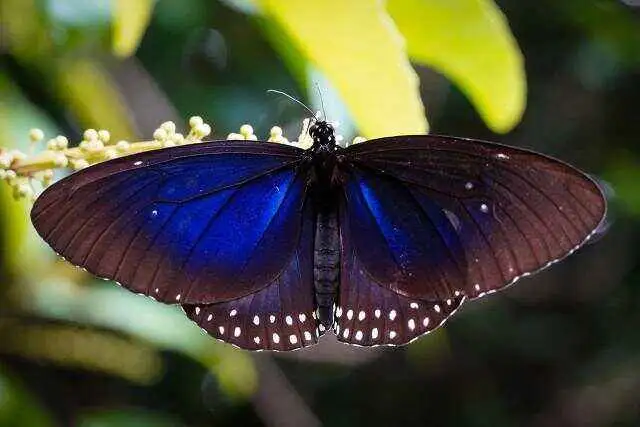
[(355, 45), (17, 115), (165, 327), (468, 41), (130, 20), (624, 174), (129, 417), (17, 406)]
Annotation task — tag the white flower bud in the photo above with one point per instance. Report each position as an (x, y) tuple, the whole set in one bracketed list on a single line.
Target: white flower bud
[(36, 135)]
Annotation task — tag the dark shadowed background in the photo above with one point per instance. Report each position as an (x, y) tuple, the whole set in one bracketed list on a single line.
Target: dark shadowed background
[(559, 349)]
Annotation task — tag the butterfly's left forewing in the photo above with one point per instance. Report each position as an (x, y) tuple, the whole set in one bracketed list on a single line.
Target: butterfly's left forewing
[(192, 224)]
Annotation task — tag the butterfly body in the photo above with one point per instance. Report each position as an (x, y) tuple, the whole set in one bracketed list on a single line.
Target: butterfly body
[(267, 246)]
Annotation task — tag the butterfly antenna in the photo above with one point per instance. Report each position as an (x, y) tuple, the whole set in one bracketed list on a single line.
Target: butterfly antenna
[(294, 100), (324, 113)]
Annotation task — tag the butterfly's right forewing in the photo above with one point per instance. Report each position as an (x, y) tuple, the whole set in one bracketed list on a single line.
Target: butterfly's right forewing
[(506, 212)]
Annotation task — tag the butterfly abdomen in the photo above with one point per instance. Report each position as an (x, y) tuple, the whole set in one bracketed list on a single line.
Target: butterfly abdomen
[(326, 264)]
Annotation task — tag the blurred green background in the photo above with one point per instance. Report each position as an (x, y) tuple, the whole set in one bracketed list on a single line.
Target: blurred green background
[(559, 349)]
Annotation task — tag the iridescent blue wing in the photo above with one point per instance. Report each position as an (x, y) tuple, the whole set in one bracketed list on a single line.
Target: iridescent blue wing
[(368, 313), (434, 217), (192, 224), (279, 317)]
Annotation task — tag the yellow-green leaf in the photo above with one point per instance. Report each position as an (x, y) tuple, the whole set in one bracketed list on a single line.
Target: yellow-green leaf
[(91, 94), (18, 240), (356, 46), (130, 20), (469, 41)]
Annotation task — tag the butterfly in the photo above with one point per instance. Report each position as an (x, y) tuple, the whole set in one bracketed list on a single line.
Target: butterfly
[(268, 246)]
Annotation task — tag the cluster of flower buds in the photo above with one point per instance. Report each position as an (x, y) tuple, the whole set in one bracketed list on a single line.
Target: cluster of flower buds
[(21, 171)]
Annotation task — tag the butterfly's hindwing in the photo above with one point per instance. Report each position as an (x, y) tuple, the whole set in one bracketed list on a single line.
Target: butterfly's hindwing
[(279, 317), (369, 314)]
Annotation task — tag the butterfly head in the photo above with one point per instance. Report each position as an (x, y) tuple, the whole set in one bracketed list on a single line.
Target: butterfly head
[(324, 136)]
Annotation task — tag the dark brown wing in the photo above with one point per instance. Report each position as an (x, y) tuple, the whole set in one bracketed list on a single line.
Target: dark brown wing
[(193, 224), (431, 216)]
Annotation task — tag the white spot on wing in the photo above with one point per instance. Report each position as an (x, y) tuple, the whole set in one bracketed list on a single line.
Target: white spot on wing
[(377, 313), (256, 320), (392, 314), (350, 314), (361, 316), (374, 333), (302, 317), (233, 312), (392, 334), (209, 318), (276, 338), (237, 331), (411, 324), (307, 335), (289, 320), (359, 335), (293, 339)]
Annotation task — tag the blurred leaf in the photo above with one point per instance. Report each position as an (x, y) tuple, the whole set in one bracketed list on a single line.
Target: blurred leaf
[(469, 41), (17, 116), (355, 45), (25, 38), (75, 13), (130, 20), (90, 93), (81, 348), (245, 6), (18, 407), (167, 327), (607, 23), (624, 176), (126, 418)]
